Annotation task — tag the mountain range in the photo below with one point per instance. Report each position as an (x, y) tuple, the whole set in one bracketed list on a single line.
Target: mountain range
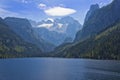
[(23, 28), (98, 19), (56, 31), (97, 38), (32, 36), (12, 45)]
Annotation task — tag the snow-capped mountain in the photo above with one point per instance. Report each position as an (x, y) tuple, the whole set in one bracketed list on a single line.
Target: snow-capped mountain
[(53, 25), (57, 30)]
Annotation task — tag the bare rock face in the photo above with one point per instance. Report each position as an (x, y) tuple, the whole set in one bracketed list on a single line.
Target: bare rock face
[(92, 9)]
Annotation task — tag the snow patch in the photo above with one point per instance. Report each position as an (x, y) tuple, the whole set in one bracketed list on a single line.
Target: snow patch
[(46, 25)]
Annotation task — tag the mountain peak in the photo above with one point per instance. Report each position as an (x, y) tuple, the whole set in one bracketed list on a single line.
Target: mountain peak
[(94, 7), (14, 19), (1, 19), (49, 20), (91, 10), (67, 19), (100, 19)]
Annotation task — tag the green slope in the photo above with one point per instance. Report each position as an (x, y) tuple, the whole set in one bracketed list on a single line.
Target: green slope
[(104, 45), (11, 45)]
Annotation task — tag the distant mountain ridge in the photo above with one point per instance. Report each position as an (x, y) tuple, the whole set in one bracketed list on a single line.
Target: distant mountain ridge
[(57, 30), (23, 28)]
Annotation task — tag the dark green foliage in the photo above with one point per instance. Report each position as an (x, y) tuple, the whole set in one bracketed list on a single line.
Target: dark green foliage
[(99, 38), (23, 28), (11, 45), (104, 45)]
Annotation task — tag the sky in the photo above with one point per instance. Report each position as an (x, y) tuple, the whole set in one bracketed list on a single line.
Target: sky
[(42, 9)]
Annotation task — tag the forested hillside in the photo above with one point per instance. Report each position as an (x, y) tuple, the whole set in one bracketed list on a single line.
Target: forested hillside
[(105, 45), (11, 45)]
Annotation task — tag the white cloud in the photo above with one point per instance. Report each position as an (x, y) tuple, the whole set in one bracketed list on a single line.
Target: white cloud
[(42, 6), (59, 11), (6, 13), (46, 25)]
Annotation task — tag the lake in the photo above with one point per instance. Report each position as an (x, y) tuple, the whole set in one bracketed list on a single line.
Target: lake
[(58, 69)]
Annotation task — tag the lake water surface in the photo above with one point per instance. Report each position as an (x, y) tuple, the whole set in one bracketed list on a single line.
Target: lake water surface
[(58, 69)]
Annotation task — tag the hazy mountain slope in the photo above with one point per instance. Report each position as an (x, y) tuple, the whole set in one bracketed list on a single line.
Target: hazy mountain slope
[(56, 31), (50, 36), (11, 45), (23, 28)]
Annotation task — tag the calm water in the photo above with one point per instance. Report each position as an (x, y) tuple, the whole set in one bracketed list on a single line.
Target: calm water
[(58, 69)]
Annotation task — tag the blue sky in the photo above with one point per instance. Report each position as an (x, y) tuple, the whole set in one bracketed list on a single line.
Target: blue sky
[(42, 9)]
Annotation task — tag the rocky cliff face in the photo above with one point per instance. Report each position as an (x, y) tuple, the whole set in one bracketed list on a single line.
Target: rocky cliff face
[(99, 20), (91, 11)]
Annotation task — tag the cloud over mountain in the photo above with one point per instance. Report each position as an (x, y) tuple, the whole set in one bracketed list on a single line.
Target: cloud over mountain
[(42, 6), (59, 11)]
